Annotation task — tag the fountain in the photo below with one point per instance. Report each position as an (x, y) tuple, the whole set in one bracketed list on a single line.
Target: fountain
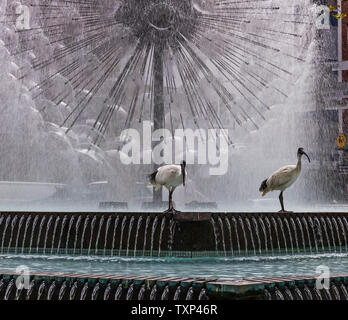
[(175, 238)]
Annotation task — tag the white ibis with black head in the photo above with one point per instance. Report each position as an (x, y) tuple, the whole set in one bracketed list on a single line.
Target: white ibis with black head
[(283, 178), (169, 176)]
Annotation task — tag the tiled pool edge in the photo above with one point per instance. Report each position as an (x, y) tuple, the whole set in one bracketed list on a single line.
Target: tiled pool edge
[(246, 289)]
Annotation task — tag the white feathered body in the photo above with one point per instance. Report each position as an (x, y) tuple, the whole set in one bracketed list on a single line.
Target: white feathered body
[(169, 176), (283, 178)]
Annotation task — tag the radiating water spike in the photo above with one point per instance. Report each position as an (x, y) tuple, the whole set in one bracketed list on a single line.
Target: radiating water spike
[(337, 233), (328, 221), (131, 222), (316, 293), (94, 220), (288, 293), (279, 295), (27, 223), (222, 232), (165, 293), (189, 295), (247, 222), (30, 289), (241, 223), (344, 291), (308, 294), (335, 291), (298, 293), (256, 228), (293, 224), (307, 232), (84, 232), (280, 223), (213, 223), (8, 219), (319, 232), (101, 222), (299, 223), (119, 291), (142, 291), (323, 223), (65, 219), (95, 292), (62, 291), (289, 234), (51, 290), (154, 226), (73, 291), (172, 229), (49, 222), (269, 228), (153, 294), (21, 221), (108, 223), (124, 220), (276, 232), (343, 232), (71, 222), (84, 291), (107, 292), (13, 225), (177, 294), (229, 228), (147, 223), (9, 289), (203, 295), (163, 223), (54, 233), (267, 295), (140, 220), (312, 227), (114, 235), (41, 290), (130, 292), (77, 228), (235, 225)]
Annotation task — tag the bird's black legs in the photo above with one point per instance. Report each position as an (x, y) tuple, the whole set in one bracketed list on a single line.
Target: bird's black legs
[(282, 203), (170, 199), (170, 202)]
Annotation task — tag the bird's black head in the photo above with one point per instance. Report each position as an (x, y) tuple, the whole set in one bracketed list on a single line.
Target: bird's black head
[(300, 153), (183, 171)]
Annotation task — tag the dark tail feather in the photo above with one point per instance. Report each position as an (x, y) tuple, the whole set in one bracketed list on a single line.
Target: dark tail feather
[(263, 185), (152, 177)]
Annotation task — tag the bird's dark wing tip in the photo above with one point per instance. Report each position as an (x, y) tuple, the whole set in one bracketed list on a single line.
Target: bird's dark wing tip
[(152, 177)]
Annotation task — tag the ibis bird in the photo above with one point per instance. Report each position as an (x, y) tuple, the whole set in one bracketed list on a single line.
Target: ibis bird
[(283, 178), (169, 176)]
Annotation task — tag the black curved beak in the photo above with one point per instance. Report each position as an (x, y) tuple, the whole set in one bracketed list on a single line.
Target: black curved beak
[(309, 160)]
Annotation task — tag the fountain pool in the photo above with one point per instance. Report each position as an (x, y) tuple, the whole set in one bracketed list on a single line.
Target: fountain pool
[(206, 268)]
